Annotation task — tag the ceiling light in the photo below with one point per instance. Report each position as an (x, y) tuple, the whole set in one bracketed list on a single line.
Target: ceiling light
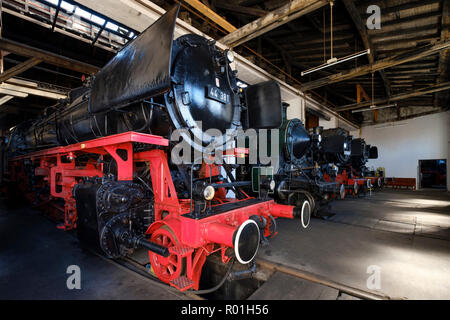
[(334, 61), (374, 107)]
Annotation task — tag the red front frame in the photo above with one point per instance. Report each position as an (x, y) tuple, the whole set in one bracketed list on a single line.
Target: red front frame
[(196, 238)]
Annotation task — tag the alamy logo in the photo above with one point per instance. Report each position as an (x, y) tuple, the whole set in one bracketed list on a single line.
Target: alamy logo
[(374, 280), (374, 21), (74, 280), (263, 146)]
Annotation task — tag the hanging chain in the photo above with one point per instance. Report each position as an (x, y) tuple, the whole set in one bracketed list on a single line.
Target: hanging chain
[(324, 38), (372, 88), (331, 27)]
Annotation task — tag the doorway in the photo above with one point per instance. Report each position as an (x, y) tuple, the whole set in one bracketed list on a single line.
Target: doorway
[(433, 174), (312, 120)]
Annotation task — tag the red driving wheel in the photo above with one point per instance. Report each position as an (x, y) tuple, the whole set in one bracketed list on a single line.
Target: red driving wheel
[(165, 268)]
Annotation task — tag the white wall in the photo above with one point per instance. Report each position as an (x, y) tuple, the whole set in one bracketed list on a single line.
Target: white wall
[(331, 124), (402, 144), (335, 122), (296, 109), (448, 151)]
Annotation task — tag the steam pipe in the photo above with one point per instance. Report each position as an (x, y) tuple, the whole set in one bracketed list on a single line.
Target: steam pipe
[(283, 211)]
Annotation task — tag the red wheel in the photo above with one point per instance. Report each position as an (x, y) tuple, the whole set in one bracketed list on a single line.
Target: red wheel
[(165, 268)]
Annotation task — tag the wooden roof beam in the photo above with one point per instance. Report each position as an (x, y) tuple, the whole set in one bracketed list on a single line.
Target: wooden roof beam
[(272, 20), (47, 57), (415, 18), (413, 93), (211, 15), (18, 69), (362, 30), (239, 9), (379, 65), (13, 93), (407, 6), (5, 99), (32, 91), (444, 55)]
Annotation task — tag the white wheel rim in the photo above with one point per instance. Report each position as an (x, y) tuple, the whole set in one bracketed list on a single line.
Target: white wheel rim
[(304, 206), (236, 241), (342, 191)]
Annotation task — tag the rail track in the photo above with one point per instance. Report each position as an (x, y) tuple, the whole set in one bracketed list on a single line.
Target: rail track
[(310, 277), (266, 270)]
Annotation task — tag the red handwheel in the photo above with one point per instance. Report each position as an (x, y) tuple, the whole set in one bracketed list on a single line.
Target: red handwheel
[(165, 268)]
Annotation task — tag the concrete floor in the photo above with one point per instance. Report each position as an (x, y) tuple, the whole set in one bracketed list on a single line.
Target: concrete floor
[(405, 233), (34, 257)]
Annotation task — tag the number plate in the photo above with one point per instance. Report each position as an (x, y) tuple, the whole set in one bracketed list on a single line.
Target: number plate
[(217, 94)]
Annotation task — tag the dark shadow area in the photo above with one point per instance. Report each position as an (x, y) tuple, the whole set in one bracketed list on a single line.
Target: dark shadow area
[(433, 174)]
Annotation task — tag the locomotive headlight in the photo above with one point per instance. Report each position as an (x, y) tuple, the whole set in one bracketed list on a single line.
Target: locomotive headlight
[(342, 191), (319, 138), (230, 56), (345, 145), (272, 185), (246, 241), (209, 193)]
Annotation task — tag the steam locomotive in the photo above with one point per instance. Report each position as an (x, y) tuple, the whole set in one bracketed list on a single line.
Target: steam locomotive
[(349, 157), (299, 179), (316, 167), (103, 160)]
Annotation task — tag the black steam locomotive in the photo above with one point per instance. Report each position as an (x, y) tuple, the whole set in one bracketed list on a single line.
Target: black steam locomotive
[(103, 162), (316, 167)]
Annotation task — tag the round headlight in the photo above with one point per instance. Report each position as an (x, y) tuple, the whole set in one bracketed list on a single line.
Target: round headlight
[(208, 193), (272, 185), (246, 241), (230, 56), (342, 191), (345, 145), (305, 214)]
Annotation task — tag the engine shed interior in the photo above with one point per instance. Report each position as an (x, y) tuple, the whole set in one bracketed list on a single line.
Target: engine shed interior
[(251, 150)]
